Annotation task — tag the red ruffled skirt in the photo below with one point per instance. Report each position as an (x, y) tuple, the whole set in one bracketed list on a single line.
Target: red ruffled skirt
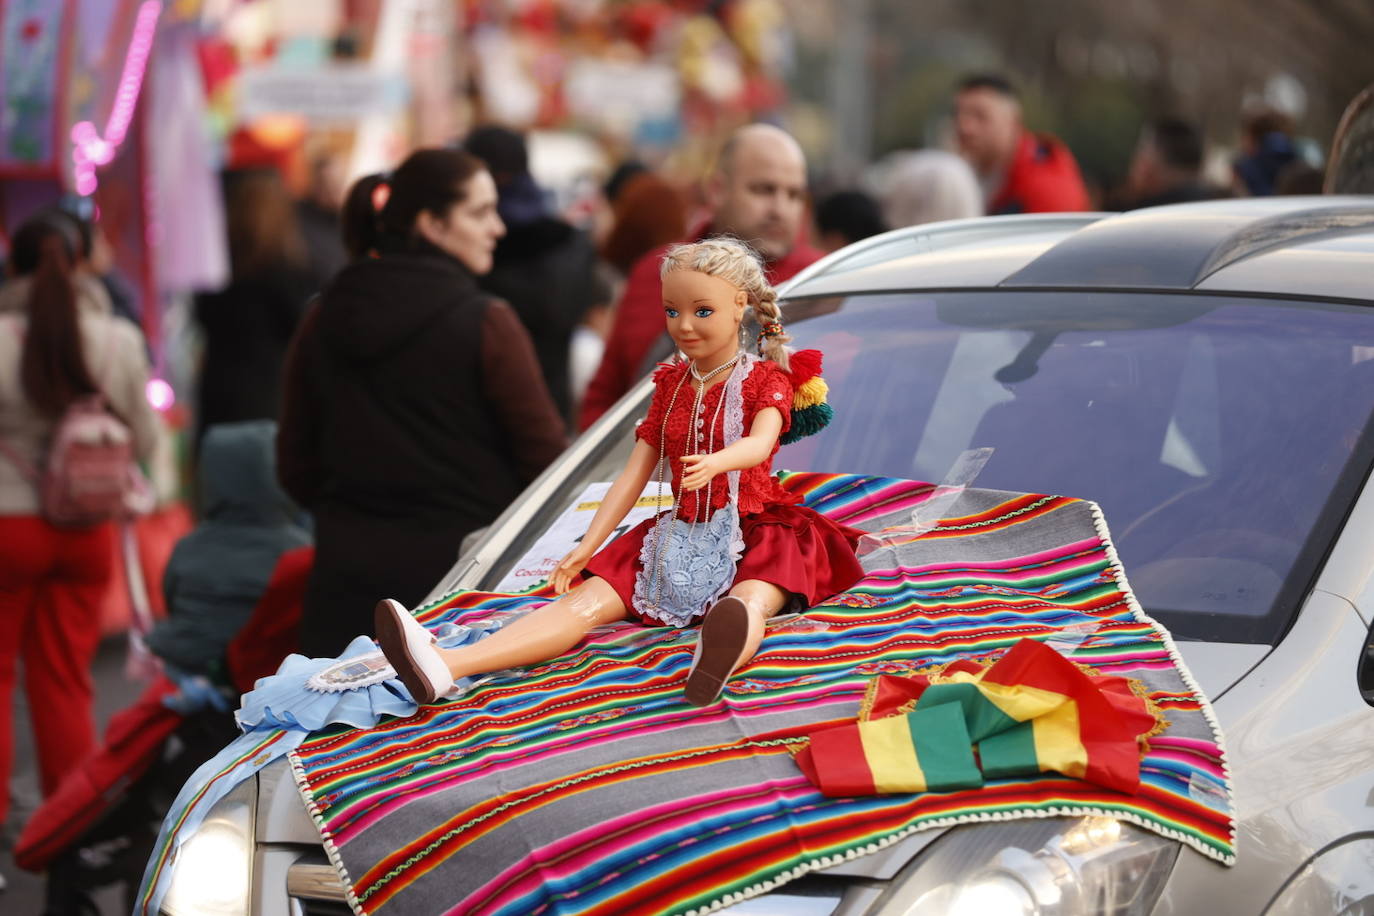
[(795, 548)]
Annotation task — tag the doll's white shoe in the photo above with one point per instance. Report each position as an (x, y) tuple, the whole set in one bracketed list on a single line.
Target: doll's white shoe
[(410, 649), (720, 650)]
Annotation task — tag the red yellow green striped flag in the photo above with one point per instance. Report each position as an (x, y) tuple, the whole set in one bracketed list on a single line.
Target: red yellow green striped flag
[(1030, 711), (926, 750)]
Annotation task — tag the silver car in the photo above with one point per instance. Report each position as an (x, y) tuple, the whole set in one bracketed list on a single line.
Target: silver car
[(1204, 372)]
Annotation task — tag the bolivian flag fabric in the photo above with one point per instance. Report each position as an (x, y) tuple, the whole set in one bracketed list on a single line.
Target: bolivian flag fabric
[(1030, 711), (923, 750)]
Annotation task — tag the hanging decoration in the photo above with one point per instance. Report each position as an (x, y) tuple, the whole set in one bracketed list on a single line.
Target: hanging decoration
[(92, 149)]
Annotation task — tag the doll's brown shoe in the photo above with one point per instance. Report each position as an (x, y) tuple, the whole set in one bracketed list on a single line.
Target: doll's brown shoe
[(409, 647), (720, 650)]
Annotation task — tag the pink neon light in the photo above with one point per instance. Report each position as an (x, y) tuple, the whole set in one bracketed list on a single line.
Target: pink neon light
[(160, 394), (90, 149)]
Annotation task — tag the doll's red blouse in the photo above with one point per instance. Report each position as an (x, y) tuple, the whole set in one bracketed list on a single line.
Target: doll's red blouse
[(765, 386)]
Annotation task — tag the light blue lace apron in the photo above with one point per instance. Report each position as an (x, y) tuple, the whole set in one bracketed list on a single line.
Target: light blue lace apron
[(685, 567)]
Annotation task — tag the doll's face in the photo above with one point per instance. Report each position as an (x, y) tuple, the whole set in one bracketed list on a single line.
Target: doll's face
[(703, 314)]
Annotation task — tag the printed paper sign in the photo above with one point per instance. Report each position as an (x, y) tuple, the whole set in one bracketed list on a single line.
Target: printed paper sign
[(569, 528), (337, 94)]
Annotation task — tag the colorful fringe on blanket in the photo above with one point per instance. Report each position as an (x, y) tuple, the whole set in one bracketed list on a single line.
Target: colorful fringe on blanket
[(588, 786)]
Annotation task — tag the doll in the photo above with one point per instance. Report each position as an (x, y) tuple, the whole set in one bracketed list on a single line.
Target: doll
[(735, 549)]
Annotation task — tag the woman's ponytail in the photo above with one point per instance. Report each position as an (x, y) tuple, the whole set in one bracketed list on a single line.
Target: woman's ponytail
[(52, 369), (361, 218), (380, 211)]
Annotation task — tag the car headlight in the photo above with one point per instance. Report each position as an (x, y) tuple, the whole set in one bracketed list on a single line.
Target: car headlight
[(1038, 867), (213, 870)]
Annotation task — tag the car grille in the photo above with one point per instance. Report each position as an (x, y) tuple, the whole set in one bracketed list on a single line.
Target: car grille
[(314, 886), (321, 908)]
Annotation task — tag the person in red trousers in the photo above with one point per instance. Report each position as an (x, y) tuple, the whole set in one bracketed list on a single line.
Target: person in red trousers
[(57, 343)]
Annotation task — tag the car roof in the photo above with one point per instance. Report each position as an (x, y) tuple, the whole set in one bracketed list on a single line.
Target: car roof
[(1318, 247)]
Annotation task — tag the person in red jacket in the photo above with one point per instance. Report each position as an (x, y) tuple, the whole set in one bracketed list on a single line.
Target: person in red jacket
[(757, 194), (1020, 171)]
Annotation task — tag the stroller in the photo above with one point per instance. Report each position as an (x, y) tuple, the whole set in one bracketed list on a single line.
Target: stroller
[(99, 828)]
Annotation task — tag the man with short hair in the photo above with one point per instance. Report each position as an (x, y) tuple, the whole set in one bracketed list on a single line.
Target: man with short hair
[(1166, 167), (1020, 171), (757, 194)]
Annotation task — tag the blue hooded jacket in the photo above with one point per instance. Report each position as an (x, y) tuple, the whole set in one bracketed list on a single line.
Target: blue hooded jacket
[(218, 572)]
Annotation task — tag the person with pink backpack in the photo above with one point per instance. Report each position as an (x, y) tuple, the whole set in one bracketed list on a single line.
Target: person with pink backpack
[(73, 420)]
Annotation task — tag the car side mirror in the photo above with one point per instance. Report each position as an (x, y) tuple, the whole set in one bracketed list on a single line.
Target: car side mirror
[(1364, 673)]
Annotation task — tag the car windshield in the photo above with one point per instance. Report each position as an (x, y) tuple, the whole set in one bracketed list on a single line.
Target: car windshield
[(1224, 438)]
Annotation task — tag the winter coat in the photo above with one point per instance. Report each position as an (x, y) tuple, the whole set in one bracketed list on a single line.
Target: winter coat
[(248, 326), (1186, 192), (415, 412), (115, 354), (1043, 178), (218, 572), (546, 271)]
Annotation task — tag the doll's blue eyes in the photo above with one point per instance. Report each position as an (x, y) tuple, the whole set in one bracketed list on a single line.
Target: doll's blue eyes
[(702, 312)]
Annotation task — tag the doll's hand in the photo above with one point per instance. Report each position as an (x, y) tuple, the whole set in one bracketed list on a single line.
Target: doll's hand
[(568, 570), (697, 470)]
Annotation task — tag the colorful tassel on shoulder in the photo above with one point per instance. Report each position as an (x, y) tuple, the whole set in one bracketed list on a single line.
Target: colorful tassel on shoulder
[(810, 412)]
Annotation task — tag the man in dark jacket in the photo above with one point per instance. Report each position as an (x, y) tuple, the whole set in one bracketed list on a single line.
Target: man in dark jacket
[(757, 194), (543, 267), (1166, 167), (1021, 171)]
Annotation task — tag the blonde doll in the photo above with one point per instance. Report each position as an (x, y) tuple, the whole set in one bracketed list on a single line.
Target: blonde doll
[(735, 549)]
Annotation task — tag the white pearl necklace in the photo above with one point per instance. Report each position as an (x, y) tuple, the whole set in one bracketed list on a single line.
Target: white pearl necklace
[(703, 379)]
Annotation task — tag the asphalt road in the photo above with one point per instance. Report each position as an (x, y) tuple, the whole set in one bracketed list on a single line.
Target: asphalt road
[(24, 895)]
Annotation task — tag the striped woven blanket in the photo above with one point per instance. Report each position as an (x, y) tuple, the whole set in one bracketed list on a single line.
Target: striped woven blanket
[(588, 786)]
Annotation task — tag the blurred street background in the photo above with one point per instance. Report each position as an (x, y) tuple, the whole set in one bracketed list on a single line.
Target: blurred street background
[(205, 147), (135, 108)]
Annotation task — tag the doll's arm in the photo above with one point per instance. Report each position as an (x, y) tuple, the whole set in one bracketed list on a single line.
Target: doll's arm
[(748, 452), (612, 511)]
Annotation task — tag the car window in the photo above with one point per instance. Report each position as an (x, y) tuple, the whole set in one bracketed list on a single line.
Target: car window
[(1223, 438)]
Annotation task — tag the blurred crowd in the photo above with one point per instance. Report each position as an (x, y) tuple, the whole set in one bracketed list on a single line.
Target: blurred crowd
[(393, 360)]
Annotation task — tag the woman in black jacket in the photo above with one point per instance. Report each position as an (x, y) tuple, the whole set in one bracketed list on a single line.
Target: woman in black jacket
[(415, 409)]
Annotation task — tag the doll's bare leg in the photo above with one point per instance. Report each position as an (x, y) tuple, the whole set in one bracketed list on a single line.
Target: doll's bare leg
[(730, 635), (544, 633)]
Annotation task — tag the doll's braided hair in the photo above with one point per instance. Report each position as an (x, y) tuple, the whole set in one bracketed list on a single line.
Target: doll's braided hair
[(736, 263)]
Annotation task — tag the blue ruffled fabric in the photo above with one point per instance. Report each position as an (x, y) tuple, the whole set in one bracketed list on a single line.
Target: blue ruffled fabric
[(284, 701)]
